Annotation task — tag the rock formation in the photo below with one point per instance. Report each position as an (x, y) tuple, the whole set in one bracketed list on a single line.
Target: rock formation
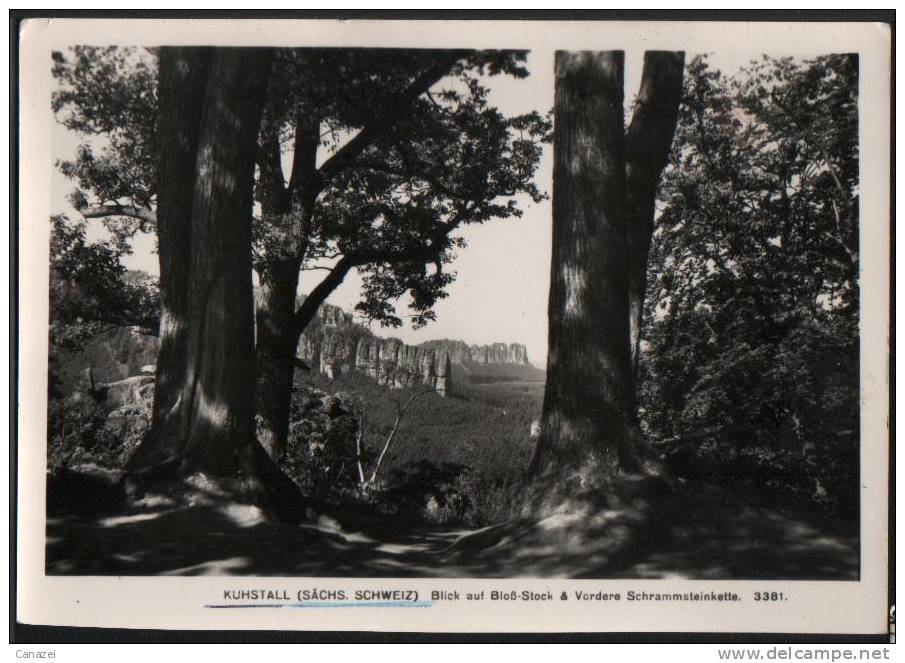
[(334, 344), (388, 361), (495, 353)]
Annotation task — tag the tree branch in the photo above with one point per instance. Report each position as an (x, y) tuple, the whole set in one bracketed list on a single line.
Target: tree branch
[(304, 155), (382, 124), (647, 143), (103, 211), (306, 312)]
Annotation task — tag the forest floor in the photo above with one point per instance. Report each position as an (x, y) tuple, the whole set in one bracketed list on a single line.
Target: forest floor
[(703, 533)]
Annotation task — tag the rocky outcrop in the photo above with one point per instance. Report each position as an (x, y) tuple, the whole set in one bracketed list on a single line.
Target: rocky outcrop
[(444, 374), (388, 361), (137, 389), (495, 353), (335, 345)]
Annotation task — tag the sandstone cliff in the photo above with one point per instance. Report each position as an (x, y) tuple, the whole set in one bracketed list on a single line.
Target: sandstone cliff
[(335, 345), (495, 353)]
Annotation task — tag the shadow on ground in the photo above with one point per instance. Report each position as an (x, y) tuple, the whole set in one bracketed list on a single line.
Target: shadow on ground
[(703, 533)]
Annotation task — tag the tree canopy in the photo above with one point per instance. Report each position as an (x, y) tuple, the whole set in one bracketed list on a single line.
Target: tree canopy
[(751, 357), (394, 183), (91, 289)]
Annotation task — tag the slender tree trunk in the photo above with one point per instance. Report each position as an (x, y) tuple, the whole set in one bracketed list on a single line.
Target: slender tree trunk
[(275, 355), (587, 408), (400, 413), (647, 145), (280, 326), (275, 369), (182, 84), (277, 334)]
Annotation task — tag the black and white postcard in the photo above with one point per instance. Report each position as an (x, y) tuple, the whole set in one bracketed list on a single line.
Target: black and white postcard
[(454, 326)]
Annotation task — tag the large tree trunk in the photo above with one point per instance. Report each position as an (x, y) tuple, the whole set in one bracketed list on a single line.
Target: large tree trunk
[(182, 79), (218, 415), (647, 144), (587, 408), (216, 401), (287, 215), (590, 442)]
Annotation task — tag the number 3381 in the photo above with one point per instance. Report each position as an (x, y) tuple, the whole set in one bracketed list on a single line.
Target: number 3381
[(769, 596)]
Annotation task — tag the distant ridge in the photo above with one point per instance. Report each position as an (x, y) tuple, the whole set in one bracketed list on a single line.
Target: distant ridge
[(494, 353), (334, 344)]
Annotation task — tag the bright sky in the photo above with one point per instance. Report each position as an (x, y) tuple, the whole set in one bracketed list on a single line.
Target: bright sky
[(500, 294)]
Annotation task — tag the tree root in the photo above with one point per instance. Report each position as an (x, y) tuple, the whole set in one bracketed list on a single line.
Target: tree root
[(585, 522), (256, 479)]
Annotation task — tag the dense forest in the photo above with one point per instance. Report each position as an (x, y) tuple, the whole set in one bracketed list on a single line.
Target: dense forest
[(750, 370), (703, 307)]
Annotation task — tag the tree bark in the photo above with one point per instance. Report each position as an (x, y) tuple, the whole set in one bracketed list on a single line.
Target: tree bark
[(647, 145), (277, 335), (587, 409), (274, 357), (215, 432), (603, 181), (182, 83), (218, 413)]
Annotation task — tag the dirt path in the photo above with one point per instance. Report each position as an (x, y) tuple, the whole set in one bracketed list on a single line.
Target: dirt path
[(710, 535)]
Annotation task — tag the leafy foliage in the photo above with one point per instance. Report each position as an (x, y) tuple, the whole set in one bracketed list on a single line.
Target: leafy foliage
[(91, 289), (442, 161), (81, 430), (750, 364), (320, 455), (110, 92), (75, 427)]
